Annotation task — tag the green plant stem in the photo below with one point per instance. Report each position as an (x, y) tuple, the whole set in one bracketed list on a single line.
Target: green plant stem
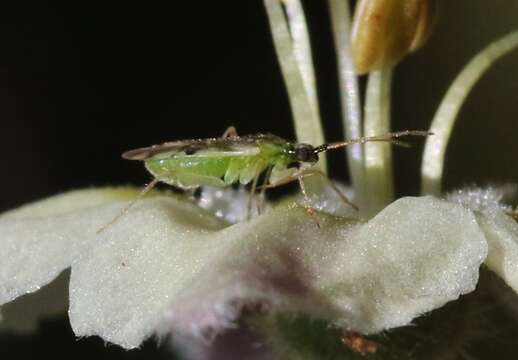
[(349, 94), (294, 55), (379, 187), (435, 149)]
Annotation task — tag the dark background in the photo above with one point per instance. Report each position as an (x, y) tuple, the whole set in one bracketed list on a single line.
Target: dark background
[(82, 82)]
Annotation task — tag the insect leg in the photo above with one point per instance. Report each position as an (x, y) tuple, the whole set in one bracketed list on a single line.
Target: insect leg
[(230, 132), (289, 177), (144, 191), (252, 196), (263, 189), (341, 195), (299, 175), (307, 205)]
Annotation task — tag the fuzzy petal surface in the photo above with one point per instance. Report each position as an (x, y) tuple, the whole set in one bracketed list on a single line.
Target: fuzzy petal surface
[(501, 230), (38, 241), (168, 266)]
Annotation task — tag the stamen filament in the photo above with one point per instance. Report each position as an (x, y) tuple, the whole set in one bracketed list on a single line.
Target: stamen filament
[(379, 181), (432, 167), (294, 55), (348, 90)]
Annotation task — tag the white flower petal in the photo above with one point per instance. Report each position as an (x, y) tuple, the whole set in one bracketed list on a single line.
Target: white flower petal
[(164, 265), (500, 229), (71, 201), (502, 236), (483, 199), (39, 240), (120, 289), (414, 256), (168, 265)]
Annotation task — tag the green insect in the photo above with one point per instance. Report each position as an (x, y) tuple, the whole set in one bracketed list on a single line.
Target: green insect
[(231, 159)]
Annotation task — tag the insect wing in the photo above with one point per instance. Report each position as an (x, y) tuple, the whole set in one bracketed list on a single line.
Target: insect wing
[(234, 150), (150, 151), (198, 148)]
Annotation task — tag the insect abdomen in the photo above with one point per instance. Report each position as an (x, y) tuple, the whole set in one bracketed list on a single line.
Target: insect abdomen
[(194, 171), (244, 169)]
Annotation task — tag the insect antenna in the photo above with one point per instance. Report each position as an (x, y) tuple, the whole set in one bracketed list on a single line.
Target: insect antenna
[(143, 192), (391, 137)]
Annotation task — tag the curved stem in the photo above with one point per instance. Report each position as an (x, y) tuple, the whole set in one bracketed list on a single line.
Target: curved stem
[(349, 94), (435, 149), (379, 182)]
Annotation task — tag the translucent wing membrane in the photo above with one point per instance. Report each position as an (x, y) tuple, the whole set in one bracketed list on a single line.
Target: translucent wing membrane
[(150, 151), (212, 147)]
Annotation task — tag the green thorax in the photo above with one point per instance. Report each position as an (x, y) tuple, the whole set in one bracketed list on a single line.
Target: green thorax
[(218, 162)]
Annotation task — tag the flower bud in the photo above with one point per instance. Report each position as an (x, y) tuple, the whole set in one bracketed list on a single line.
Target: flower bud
[(384, 31)]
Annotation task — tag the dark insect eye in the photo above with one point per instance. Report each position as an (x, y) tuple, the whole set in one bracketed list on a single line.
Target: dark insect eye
[(305, 153), (190, 150), (301, 153)]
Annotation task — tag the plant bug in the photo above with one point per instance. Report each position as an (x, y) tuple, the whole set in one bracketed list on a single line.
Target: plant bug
[(231, 159)]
